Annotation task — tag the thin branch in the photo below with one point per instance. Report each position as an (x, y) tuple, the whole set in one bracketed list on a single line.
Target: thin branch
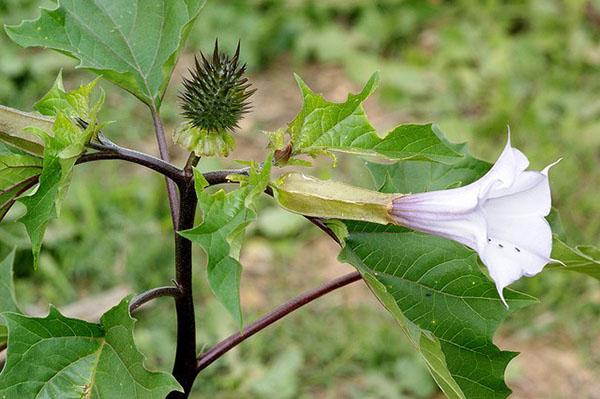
[(320, 223), (227, 344), (149, 295), (109, 150), (163, 149), (168, 170), (191, 163), (207, 358), (220, 176)]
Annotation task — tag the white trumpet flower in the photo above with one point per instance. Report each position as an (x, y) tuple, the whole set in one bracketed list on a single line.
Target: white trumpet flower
[(501, 216)]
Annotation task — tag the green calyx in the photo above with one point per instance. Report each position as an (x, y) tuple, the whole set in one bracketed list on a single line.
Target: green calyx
[(215, 96), (203, 142), (307, 195)]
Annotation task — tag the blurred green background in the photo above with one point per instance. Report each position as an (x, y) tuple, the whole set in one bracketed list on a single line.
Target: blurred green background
[(473, 67)]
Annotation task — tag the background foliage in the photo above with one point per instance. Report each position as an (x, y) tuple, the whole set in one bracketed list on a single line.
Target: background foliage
[(471, 67)]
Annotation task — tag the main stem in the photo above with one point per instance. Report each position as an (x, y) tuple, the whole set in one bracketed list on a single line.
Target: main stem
[(184, 368)]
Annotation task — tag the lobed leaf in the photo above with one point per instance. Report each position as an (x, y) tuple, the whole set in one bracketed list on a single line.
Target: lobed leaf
[(224, 219), (14, 132), (581, 258), (447, 306), (132, 43), (416, 176), (18, 173), (62, 146), (75, 103), (8, 302), (323, 126), (433, 286), (60, 357)]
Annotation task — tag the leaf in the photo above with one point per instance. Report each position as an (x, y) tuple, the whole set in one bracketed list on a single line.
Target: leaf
[(447, 306), (132, 43), (13, 124), (420, 176), (8, 303), (433, 286), (18, 173), (14, 168), (582, 258), (224, 219), (59, 357), (60, 153), (323, 126), (72, 104), (62, 146)]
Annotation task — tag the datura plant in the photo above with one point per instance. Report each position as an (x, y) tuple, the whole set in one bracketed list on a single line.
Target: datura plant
[(437, 238)]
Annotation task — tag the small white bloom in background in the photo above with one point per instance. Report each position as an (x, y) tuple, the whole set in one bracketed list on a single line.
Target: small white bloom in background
[(501, 216)]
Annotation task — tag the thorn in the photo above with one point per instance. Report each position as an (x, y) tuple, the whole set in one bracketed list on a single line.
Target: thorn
[(236, 56), (216, 53)]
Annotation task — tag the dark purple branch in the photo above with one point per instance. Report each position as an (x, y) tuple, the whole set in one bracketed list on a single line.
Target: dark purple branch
[(107, 153), (220, 176), (320, 223), (191, 163), (207, 358), (149, 295), (227, 344)]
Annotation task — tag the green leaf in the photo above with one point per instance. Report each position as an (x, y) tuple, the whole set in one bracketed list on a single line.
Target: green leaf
[(14, 132), (60, 153), (73, 104), (62, 146), (59, 357), (8, 302), (132, 43), (14, 168), (447, 306), (582, 258), (420, 176), (224, 219), (323, 126), (435, 287), (18, 173)]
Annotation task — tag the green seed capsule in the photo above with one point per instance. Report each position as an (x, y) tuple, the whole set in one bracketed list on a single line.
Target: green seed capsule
[(214, 99)]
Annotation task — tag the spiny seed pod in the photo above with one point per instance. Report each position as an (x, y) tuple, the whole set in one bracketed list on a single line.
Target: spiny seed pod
[(214, 99)]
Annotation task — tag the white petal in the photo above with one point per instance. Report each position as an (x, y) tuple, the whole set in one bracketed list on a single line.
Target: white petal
[(506, 265), (529, 195), (509, 165), (529, 233)]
